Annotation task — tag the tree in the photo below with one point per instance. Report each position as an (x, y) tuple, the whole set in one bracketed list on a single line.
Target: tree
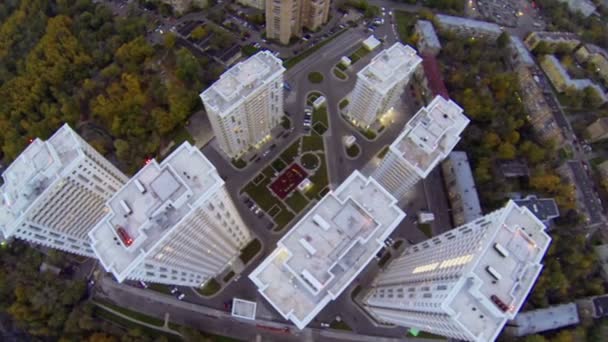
[(187, 67), (545, 182), (532, 152), (506, 150), (169, 41), (491, 140), (503, 40), (198, 33)]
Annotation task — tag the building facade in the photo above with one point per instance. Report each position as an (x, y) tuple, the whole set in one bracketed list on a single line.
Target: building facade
[(465, 283), (246, 103), (426, 140), (172, 223), (54, 193), (468, 27), (322, 254), (286, 18), (552, 40), (380, 84), (461, 189)]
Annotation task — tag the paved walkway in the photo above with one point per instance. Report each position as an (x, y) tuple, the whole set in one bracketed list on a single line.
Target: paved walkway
[(129, 318)]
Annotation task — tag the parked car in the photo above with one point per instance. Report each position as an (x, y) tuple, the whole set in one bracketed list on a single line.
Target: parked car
[(324, 325), (143, 284), (181, 296), (174, 290)]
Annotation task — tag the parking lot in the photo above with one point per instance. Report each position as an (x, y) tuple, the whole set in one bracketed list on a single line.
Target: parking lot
[(510, 13)]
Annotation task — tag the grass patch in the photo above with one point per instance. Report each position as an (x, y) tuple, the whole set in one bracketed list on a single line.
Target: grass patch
[(133, 314), (341, 66), (357, 55), (274, 211), (320, 180), (405, 25), (353, 151), (320, 115), (268, 172), (249, 251), (312, 143), (339, 74), (368, 133), (296, 201), (341, 325), (424, 334), (315, 77), (278, 165), (383, 152), (239, 163), (228, 276), (397, 244), (426, 229), (260, 177), (166, 289), (385, 258), (285, 122), (290, 153), (112, 318), (343, 103), (312, 97), (283, 219), (249, 50), (290, 63), (211, 287), (319, 128), (309, 160)]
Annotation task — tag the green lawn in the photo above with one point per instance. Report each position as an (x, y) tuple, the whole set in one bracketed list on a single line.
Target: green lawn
[(383, 152), (296, 201), (353, 151), (291, 152), (282, 219), (249, 50), (297, 59), (309, 160), (210, 288), (357, 55), (315, 77), (228, 276), (343, 103), (274, 211), (320, 180), (426, 229), (339, 74), (340, 325), (278, 165), (320, 115), (133, 314), (312, 97), (239, 163), (285, 122), (319, 128), (424, 334), (313, 142), (112, 318), (385, 258), (405, 25), (249, 251), (341, 66), (368, 133)]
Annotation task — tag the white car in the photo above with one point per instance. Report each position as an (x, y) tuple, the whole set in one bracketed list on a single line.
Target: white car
[(174, 290), (324, 325), (181, 296)]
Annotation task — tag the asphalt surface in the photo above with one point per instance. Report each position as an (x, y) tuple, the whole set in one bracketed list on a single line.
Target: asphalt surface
[(586, 187)]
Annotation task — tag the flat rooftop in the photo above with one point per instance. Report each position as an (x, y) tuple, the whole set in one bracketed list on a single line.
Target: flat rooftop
[(428, 32), (150, 205), (554, 317), (544, 208), (389, 67), (33, 172), (243, 308), (556, 36), (525, 241), (240, 81), (327, 248), (465, 184), (478, 25), (430, 135)]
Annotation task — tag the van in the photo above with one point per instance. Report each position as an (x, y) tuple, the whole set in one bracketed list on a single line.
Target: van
[(493, 273)]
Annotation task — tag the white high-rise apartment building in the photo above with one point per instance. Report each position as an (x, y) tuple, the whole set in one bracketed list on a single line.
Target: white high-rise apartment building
[(246, 103), (172, 223), (467, 282), (426, 140), (380, 84), (327, 249), (54, 193)]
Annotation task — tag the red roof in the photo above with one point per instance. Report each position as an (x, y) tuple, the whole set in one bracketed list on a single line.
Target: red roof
[(433, 75)]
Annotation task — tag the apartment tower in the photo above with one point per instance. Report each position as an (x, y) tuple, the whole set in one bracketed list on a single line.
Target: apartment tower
[(246, 103), (380, 84), (54, 193), (465, 283), (427, 139), (328, 248), (172, 223), (286, 18)]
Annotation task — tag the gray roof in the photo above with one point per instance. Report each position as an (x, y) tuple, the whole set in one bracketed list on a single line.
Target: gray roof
[(514, 168), (535, 321), (544, 208), (427, 31), (466, 185)]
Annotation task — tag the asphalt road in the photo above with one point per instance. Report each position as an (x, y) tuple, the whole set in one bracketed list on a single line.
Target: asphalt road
[(589, 196)]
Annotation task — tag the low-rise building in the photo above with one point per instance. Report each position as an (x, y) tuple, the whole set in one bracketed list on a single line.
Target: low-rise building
[(540, 114), (371, 43), (561, 80), (513, 168), (584, 7), (541, 320), (468, 27), (520, 55), (553, 40), (597, 131), (596, 56), (322, 254), (545, 209), (428, 43), (602, 255), (460, 185)]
